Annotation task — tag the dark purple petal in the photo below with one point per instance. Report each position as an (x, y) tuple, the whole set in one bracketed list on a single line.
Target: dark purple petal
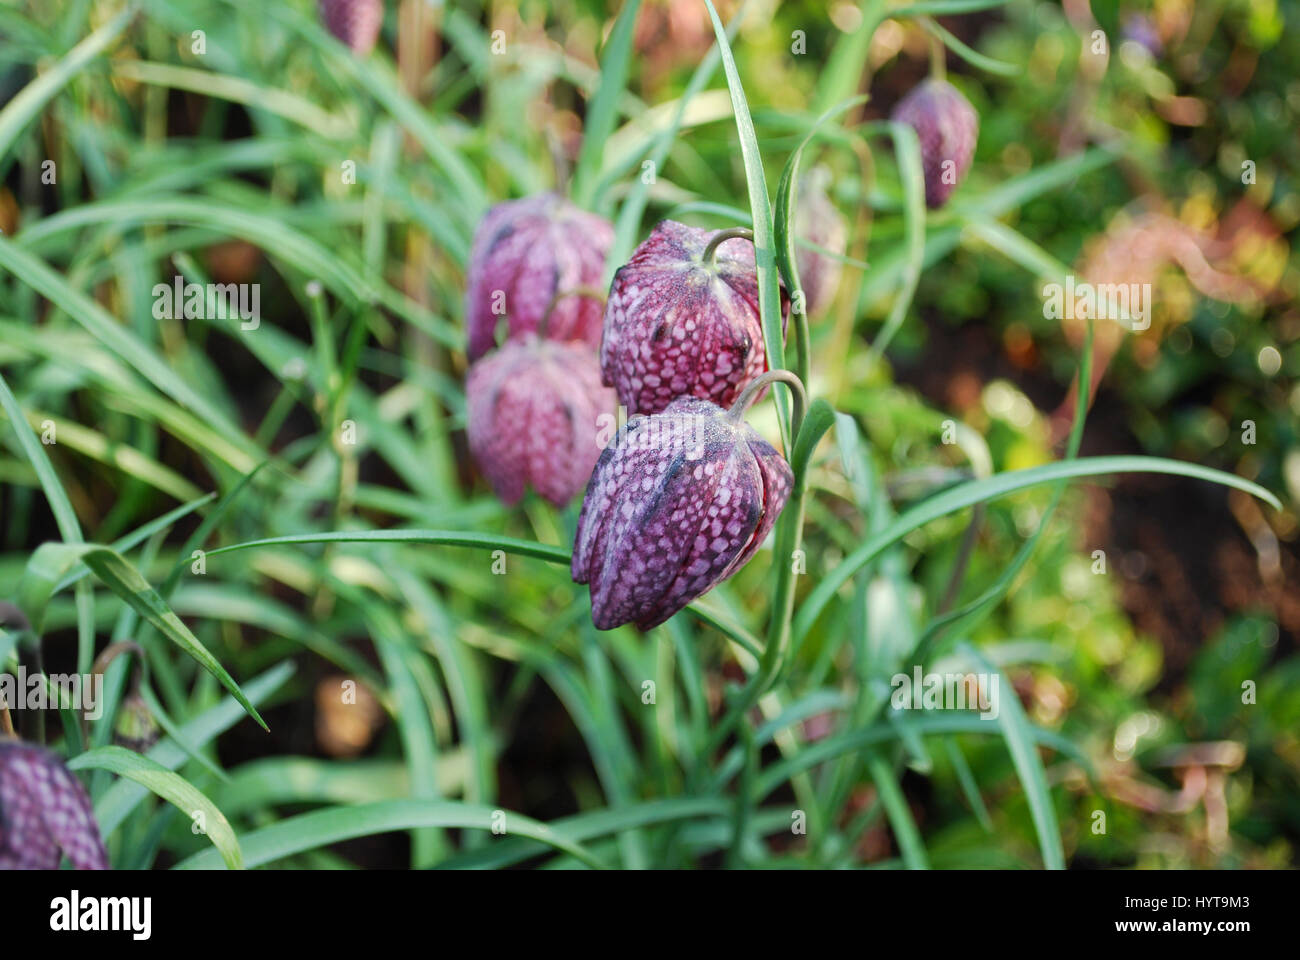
[(675, 326), (680, 501)]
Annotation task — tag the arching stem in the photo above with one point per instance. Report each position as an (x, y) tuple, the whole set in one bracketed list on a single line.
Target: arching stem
[(755, 386), (590, 293), (721, 237)]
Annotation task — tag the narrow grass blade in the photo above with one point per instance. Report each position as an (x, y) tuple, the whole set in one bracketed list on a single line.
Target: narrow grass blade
[(60, 506), (907, 150), (173, 788), (1029, 765), (310, 831), (29, 101), (602, 112), (53, 561), (979, 491), (769, 294), (900, 817)]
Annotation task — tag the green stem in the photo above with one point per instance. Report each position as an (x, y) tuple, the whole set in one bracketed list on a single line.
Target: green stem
[(721, 237)]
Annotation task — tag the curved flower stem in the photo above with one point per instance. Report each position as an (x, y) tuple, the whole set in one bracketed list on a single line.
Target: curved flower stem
[(721, 237), (938, 59), (590, 293), (755, 386)]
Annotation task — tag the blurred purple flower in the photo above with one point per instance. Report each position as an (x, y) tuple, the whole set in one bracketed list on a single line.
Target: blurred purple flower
[(820, 223), (533, 411), (354, 22), (948, 128), (526, 251)]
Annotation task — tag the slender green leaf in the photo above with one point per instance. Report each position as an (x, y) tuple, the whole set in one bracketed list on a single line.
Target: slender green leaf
[(173, 788)]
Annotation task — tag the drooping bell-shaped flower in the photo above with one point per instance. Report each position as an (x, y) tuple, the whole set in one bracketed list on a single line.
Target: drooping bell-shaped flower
[(682, 319), (534, 416), (817, 221), (947, 126), (679, 502), (354, 22), (45, 813), (524, 253)]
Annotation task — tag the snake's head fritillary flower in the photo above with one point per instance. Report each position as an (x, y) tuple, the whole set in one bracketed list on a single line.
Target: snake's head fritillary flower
[(682, 320), (679, 502), (354, 22), (948, 127), (534, 410), (524, 253), (817, 221), (45, 813)]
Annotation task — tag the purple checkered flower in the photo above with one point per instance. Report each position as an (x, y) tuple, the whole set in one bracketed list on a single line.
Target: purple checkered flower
[(534, 407), (678, 503), (682, 320), (45, 813), (948, 127), (524, 253)]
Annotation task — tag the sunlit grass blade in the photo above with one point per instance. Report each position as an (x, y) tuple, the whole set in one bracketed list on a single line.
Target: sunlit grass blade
[(602, 111), (979, 491), (282, 103), (31, 100), (973, 57), (907, 150), (55, 495), (175, 789), (769, 294), (117, 803), (53, 561), (785, 234), (900, 817), (452, 538)]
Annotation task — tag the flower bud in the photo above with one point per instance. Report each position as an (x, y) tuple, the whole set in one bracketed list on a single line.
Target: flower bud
[(136, 729), (354, 22), (524, 253), (683, 320), (533, 410), (45, 813), (947, 126), (817, 221), (679, 502)]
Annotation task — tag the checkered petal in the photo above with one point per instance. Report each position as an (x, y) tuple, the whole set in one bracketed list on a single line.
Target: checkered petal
[(678, 503), (45, 813), (534, 411), (524, 252), (675, 326)]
